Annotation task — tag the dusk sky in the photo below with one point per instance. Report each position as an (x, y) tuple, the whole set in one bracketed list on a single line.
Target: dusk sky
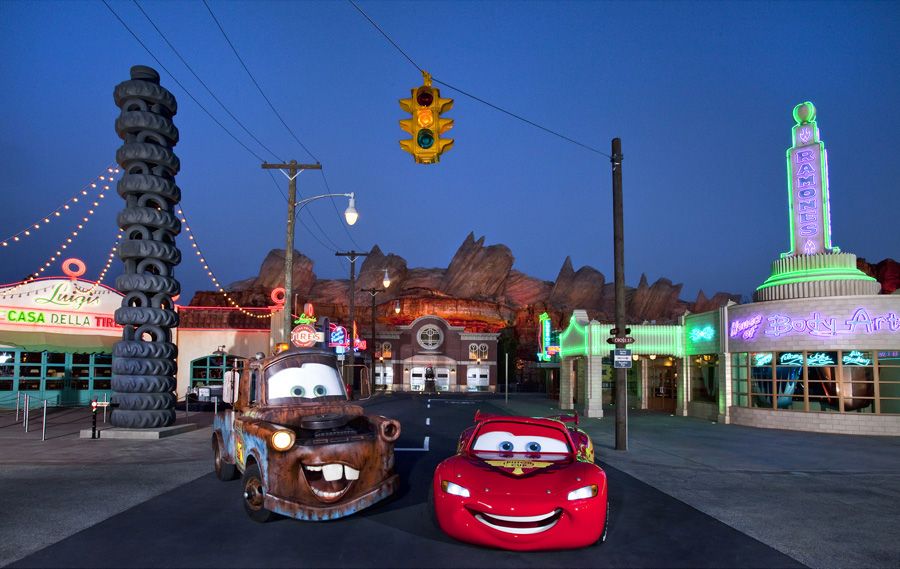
[(700, 93)]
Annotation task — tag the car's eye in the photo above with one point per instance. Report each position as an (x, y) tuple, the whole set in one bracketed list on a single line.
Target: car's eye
[(298, 391), (506, 446), (319, 390), (533, 447)]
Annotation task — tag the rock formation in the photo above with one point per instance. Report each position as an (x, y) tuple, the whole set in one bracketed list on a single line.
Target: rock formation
[(481, 291)]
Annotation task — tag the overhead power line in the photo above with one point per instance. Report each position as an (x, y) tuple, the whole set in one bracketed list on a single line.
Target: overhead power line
[(554, 133)]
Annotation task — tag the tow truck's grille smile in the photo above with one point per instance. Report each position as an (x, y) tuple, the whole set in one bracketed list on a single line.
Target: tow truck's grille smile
[(329, 481), (519, 524)]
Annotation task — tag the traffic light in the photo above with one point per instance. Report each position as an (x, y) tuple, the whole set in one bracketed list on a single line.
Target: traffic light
[(426, 125)]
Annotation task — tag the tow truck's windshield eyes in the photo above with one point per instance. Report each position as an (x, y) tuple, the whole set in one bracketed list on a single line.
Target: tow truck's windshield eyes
[(520, 438), (309, 381)]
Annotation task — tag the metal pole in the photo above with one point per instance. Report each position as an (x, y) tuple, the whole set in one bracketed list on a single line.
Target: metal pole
[(353, 255), (44, 428), (18, 394), (104, 407), (619, 253), (372, 374), (26, 412), (506, 372)]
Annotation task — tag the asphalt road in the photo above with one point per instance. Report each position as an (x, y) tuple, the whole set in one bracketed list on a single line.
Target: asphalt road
[(201, 523)]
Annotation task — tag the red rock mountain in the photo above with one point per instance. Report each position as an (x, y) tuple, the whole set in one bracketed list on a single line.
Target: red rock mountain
[(481, 291)]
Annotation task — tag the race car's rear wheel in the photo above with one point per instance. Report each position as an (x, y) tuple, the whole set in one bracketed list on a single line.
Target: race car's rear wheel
[(225, 471), (254, 495)]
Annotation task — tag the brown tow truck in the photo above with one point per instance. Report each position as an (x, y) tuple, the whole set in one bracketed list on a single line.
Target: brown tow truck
[(302, 449)]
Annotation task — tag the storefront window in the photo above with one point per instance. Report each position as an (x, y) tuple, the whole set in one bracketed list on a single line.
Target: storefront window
[(740, 386), (829, 380), (889, 380), (705, 378)]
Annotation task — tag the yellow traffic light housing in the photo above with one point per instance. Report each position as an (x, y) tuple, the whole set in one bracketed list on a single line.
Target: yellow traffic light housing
[(426, 125)]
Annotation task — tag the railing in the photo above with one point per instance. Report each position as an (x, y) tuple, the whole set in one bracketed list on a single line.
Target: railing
[(25, 403)]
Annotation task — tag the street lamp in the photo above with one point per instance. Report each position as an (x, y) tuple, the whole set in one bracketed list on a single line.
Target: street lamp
[(350, 214), (373, 291)]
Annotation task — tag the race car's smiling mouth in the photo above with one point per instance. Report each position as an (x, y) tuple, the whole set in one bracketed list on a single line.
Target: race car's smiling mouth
[(329, 481), (522, 525)]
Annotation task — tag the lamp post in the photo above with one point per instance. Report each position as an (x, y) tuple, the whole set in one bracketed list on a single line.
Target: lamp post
[(294, 207), (373, 291)]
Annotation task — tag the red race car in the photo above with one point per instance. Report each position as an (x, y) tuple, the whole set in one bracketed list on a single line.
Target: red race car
[(522, 483)]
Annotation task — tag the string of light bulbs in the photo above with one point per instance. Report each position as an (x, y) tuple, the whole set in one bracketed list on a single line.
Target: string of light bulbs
[(104, 181), (99, 180), (209, 271)]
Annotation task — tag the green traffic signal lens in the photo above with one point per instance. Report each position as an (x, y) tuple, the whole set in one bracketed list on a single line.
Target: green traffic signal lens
[(425, 138)]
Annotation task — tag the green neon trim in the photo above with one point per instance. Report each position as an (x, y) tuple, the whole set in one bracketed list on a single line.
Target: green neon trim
[(811, 275)]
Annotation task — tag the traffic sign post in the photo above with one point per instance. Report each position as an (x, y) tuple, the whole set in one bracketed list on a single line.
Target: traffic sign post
[(622, 359)]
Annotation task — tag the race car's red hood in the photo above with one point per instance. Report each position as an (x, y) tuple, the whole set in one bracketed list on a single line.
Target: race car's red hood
[(529, 474)]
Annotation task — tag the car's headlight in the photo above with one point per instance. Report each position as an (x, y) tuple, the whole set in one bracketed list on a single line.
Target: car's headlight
[(582, 493), (455, 489), (282, 440)]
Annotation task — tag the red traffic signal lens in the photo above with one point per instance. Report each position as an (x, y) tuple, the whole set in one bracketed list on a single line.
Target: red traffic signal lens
[(425, 97), (425, 138)]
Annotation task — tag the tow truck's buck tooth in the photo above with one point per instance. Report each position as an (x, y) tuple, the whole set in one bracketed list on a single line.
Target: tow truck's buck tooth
[(351, 473), (332, 472)]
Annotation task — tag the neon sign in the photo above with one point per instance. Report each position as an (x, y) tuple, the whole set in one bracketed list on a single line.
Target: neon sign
[(860, 321), (856, 358), (808, 200), (791, 359), (820, 359), (703, 333), (746, 328), (545, 338), (762, 359)]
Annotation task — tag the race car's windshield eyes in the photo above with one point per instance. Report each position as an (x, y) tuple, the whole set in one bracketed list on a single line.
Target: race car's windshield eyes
[(311, 381), (519, 438)]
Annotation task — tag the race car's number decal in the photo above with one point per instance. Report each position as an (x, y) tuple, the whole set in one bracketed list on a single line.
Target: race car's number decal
[(518, 466)]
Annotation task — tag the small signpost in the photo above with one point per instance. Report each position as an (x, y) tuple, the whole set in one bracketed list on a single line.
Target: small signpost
[(622, 358)]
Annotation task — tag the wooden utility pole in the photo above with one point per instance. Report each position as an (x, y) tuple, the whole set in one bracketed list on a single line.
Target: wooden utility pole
[(619, 254), (352, 255), (294, 170)]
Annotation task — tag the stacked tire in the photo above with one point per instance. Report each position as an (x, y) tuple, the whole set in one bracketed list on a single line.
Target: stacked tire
[(143, 368)]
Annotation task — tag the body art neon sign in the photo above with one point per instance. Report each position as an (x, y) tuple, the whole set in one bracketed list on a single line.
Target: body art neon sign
[(810, 212), (861, 321), (746, 328), (703, 333)]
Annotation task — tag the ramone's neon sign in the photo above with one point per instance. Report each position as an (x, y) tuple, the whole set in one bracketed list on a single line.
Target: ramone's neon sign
[(860, 322)]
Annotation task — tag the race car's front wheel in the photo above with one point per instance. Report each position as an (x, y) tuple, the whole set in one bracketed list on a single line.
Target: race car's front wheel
[(605, 526), (254, 495)]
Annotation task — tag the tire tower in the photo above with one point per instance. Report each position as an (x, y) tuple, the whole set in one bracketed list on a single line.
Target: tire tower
[(143, 368)]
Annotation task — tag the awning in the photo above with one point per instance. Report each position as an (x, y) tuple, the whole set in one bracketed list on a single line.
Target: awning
[(48, 342)]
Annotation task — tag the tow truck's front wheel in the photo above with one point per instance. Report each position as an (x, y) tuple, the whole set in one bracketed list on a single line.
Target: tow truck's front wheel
[(254, 494)]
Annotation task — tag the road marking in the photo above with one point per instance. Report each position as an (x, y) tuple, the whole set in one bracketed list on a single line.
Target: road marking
[(428, 420), (424, 448), (455, 401)]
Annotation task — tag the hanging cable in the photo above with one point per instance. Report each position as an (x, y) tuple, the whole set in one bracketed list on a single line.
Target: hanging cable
[(257, 84), (188, 93), (208, 90), (554, 133)]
